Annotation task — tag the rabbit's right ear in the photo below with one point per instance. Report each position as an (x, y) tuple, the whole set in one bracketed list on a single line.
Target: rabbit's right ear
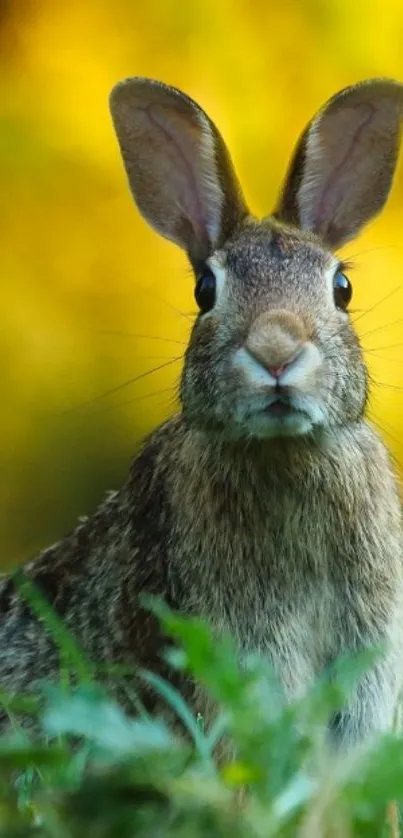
[(177, 165), (343, 166)]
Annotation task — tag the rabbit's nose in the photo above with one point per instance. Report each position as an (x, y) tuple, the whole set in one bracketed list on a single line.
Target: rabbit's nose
[(276, 371), (275, 341)]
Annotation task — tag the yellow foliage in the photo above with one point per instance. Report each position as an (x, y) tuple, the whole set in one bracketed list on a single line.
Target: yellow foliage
[(84, 279)]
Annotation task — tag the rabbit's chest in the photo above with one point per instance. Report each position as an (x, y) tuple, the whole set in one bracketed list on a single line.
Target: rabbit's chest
[(273, 595), (263, 571), (281, 576), (277, 541)]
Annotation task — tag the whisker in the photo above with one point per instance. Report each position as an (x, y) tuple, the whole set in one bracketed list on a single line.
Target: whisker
[(378, 303), (385, 431), (357, 255), (117, 405), (379, 348), (153, 357), (386, 384), (170, 390), (151, 292), (352, 321), (374, 354), (184, 314), (122, 386), (379, 328), (377, 383), (140, 336)]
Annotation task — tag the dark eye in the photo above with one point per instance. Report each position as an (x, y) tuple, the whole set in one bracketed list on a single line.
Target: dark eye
[(342, 290), (205, 291)]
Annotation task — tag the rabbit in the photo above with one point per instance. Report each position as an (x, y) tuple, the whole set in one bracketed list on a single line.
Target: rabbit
[(269, 504)]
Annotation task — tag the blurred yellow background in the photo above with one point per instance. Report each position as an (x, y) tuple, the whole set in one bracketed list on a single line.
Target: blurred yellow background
[(91, 298)]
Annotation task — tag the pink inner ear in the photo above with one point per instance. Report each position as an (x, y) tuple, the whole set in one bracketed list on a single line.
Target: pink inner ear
[(179, 149), (179, 153), (345, 156), (344, 136)]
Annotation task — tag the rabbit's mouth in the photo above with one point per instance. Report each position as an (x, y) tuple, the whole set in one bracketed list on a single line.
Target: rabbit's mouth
[(279, 408), (278, 414), (283, 416), (282, 408)]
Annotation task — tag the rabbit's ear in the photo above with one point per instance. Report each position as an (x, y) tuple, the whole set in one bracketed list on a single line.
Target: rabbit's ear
[(343, 166), (178, 166)]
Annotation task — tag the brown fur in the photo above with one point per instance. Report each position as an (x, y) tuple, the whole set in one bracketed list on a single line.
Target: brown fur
[(290, 542)]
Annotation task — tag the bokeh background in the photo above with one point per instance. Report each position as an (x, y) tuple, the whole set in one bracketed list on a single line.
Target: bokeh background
[(90, 297)]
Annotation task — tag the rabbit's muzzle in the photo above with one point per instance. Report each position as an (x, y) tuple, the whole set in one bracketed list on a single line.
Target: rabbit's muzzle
[(279, 363)]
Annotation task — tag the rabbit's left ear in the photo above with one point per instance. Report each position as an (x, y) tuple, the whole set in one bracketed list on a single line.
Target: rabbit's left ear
[(343, 166)]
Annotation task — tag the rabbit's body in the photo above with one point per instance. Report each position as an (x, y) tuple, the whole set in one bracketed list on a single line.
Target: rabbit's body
[(268, 505), (238, 545)]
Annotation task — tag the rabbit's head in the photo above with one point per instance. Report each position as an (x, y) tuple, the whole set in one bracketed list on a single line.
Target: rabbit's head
[(273, 351)]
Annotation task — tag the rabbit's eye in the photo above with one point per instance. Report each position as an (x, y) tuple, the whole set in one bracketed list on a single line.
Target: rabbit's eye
[(205, 291), (342, 290)]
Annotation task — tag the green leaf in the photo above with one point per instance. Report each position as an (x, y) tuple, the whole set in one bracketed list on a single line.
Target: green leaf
[(85, 714), (174, 700)]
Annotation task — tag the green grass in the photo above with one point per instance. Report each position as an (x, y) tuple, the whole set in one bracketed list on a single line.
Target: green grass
[(93, 772)]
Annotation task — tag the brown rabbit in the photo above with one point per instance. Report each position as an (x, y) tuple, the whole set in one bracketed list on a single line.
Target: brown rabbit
[(268, 504)]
